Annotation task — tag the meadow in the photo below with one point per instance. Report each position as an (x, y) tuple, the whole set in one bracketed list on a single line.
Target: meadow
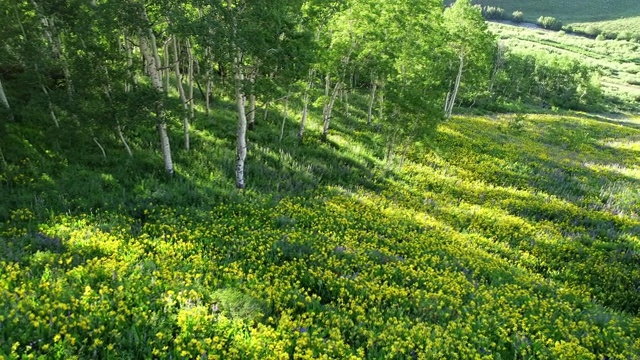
[(502, 237), (569, 11), (617, 62)]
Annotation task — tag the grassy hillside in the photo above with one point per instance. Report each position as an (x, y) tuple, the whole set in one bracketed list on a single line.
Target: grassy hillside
[(625, 28), (503, 237), (569, 11), (617, 62)]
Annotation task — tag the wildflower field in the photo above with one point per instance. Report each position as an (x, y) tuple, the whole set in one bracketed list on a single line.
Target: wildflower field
[(509, 237)]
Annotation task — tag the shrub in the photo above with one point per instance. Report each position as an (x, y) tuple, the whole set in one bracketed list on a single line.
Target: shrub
[(592, 30), (601, 37), (625, 35), (493, 13), (517, 16), (550, 23)]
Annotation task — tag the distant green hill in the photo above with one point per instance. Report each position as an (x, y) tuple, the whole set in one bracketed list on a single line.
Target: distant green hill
[(568, 10)]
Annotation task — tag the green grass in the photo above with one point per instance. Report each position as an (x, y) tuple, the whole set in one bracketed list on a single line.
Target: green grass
[(498, 238), (617, 62), (569, 11), (625, 28)]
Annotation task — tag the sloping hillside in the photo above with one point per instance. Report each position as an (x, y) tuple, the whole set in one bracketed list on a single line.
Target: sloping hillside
[(505, 237), (569, 11)]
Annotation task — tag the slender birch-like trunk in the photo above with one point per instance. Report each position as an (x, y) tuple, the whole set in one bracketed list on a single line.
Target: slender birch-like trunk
[(190, 81), (183, 97), (372, 99), (305, 105), (152, 59), (130, 72), (452, 98), (123, 139), (345, 94), (167, 68), (52, 113), (285, 117), (55, 43), (107, 90), (328, 109), (381, 103), (239, 78), (241, 144), (252, 111), (4, 102), (252, 103)]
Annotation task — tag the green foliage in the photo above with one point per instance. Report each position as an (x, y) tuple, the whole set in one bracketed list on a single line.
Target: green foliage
[(625, 28), (518, 121), (547, 80), (569, 10), (236, 305), (493, 13), (471, 41), (550, 23), (517, 16), (612, 62), (593, 31)]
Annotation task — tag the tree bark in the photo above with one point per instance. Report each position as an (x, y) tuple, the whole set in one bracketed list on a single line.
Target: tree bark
[(284, 118), (456, 87), (4, 102), (123, 139), (252, 111), (156, 80), (374, 88), (241, 144), (52, 113), (208, 74), (167, 68), (55, 43), (328, 109), (305, 105), (190, 80), (183, 97), (381, 103), (130, 72), (252, 103), (104, 153)]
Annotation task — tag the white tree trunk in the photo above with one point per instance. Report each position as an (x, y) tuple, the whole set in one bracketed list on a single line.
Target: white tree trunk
[(55, 43), (52, 113), (285, 117), (305, 105), (4, 102), (190, 80), (183, 97), (156, 80), (374, 88), (252, 102), (381, 103), (328, 109), (252, 111), (346, 92), (130, 72), (124, 140), (167, 68), (456, 87), (241, 145)]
